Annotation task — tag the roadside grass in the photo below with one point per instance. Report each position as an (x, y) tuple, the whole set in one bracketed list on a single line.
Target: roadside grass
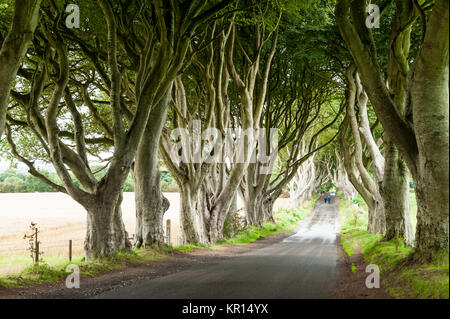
[(20, 260), (404, 273), (286, 220), (52, 269), (189, 247)]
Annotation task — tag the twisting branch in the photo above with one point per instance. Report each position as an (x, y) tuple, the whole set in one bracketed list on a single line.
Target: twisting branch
[(31, 169)]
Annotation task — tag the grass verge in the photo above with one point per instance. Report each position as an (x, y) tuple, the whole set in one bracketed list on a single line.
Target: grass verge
[(54, 268), (286, 220), (404, 273)]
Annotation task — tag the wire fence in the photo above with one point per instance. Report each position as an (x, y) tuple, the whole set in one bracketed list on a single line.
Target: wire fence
[(64, 248)]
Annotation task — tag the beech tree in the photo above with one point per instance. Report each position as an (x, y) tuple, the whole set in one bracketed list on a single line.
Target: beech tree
[(140, 82), (307, 181), (300, 106), (206, 223), (150, 203), (355, 95), (421, 133), (158, 50), (339, 177)]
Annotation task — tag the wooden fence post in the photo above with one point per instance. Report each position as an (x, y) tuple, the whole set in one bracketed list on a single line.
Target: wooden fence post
[(36, 245), (37, 253), (70, 249)]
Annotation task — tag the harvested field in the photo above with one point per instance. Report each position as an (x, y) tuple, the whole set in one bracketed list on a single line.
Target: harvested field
[(61, 219)]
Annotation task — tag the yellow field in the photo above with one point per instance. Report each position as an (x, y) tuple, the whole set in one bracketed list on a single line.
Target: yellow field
[(61, 219)]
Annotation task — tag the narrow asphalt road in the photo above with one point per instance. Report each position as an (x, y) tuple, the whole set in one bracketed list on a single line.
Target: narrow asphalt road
[(301, 266)]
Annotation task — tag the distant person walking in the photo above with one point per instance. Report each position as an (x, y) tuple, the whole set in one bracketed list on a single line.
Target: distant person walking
[(329, 199)]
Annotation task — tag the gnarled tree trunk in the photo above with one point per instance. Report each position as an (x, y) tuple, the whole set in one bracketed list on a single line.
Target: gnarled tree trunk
[(254, 209), (395, 193), (396, 174), (302, 184), (376, 222), (422, 136), (193, 211), (430, 103), (105, 231), (340, 178), (350, 167), (150, 201)]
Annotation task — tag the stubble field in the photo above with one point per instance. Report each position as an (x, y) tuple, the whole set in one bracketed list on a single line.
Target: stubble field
[(61, 219)]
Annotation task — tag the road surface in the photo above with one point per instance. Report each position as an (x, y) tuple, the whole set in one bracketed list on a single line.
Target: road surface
[(301, 266)]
